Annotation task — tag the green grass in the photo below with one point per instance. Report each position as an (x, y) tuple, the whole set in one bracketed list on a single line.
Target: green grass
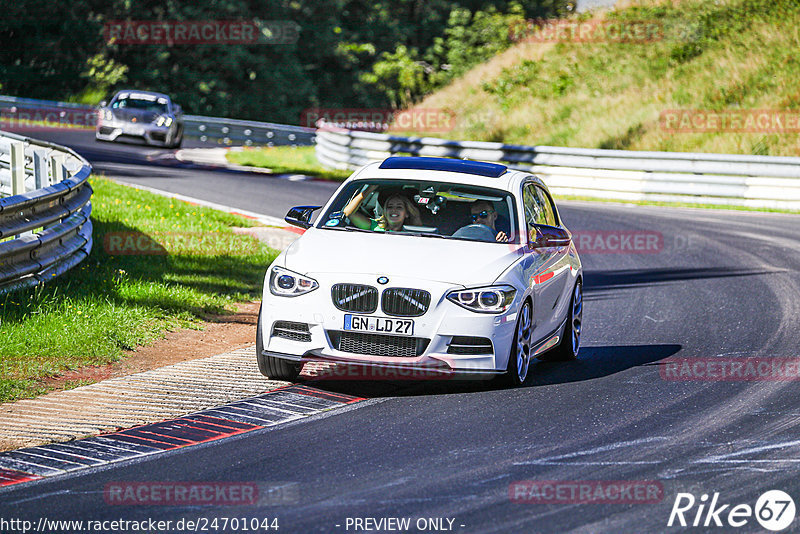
[(721, 55), (285, 159), (110, 303)]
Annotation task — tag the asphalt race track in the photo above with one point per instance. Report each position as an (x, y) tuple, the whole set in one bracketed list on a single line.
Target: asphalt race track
[(718, 284), (157, 168)]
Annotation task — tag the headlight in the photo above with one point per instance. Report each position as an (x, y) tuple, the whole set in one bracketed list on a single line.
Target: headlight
[(106, 115), (163, 121), (286, 283), (494, 299)]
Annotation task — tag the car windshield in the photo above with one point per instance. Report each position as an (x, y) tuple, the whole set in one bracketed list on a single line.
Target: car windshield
[(429, 209), (143, 102)]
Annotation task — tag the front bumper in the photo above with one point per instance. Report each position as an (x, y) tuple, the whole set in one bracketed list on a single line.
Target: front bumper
[(112, 130), (348, 369), (440, 332)]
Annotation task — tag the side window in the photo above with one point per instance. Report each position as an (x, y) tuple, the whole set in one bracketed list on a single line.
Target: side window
[(546, 204), (534, 211)]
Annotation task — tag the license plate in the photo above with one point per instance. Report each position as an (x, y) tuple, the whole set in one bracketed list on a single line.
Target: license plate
[(379, 325), (134, 130)]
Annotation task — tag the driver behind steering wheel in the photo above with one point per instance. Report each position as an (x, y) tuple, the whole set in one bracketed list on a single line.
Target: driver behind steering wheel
[(484, 217)]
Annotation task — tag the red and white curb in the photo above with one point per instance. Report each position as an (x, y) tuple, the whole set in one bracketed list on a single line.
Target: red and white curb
[(273, 408)]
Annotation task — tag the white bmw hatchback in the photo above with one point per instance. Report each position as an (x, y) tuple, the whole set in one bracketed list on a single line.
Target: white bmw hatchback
[(430, 266)]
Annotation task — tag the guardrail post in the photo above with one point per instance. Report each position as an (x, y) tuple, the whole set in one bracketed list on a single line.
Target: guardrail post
[(17, 167), (56, 169), (40, 169)]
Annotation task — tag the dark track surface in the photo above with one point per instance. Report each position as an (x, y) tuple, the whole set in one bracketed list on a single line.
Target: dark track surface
[(157, 168), (725, 284)]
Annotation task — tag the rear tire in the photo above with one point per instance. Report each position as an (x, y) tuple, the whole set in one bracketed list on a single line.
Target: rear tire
[(519, 357), (570, 344), (274, 368)]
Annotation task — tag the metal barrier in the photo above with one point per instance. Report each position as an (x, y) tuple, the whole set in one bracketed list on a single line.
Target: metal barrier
[(230, 131), (44, 216), (206, 129), (753, 181)]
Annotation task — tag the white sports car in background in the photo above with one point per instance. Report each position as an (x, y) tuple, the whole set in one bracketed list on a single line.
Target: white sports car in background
[(425, 264), (142, 115)]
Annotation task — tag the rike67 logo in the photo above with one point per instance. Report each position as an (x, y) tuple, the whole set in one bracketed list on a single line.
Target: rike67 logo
[(774, 511)]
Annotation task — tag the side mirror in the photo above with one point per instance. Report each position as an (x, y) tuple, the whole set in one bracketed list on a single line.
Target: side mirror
[(103, 103), (301, 215), (542, 236), (177, 109)]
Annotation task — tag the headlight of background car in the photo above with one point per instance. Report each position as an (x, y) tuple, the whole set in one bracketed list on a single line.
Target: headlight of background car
[(163, 121), (286, 283), (493, 299)]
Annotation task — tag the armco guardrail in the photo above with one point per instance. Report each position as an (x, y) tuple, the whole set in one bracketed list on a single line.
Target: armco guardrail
[(754, 181), (44, 213), (207, 129), (229, 131)]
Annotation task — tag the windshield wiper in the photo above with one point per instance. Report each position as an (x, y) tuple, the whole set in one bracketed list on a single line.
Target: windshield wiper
[(420, 234), (347, 229)]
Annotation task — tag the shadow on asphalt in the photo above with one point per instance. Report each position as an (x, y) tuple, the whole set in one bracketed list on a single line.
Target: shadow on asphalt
[(592, 363), (604, 280)]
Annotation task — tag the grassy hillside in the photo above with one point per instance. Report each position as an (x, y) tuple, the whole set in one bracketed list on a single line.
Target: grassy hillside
[(714, 55)]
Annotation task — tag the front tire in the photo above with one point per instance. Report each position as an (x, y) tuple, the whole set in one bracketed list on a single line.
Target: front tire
[(570, 343), (273, 368), (519, 358), (177, 141)]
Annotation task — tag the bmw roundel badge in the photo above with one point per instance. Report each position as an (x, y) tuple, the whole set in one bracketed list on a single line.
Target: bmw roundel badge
[(383, 280)]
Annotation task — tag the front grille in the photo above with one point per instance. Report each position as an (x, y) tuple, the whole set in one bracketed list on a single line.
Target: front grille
[(469, 345), (402, 302), (106, 130), (291, 330), (378, 345), (355, 298)]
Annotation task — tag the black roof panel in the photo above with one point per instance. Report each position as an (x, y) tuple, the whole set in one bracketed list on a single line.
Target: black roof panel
[(480, 168)]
